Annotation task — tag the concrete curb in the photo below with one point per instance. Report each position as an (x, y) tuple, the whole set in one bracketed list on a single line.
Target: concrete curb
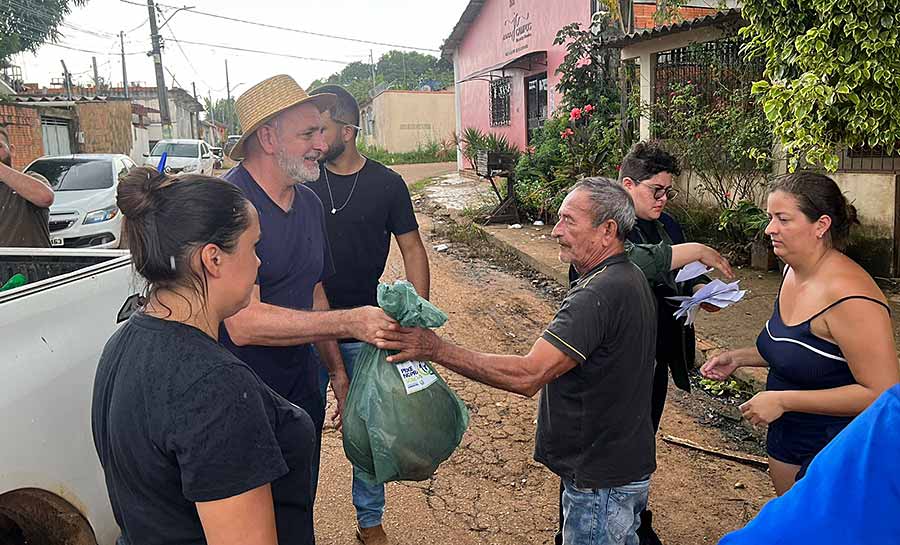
[(527, 259)]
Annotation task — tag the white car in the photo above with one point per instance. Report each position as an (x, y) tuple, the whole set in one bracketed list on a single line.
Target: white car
[(182, 155), (84, 212)]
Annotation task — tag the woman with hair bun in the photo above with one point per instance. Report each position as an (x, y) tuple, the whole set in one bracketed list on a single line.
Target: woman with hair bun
[(194, 446), (829, 344)]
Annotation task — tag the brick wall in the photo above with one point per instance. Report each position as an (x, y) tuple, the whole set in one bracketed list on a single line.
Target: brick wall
[(24, 127), (106, 126), (643, 14)]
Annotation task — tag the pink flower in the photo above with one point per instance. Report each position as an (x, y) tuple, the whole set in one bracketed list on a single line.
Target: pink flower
[(583, 62), (575, 115), (567, 133), (588, 108), (529, 149)]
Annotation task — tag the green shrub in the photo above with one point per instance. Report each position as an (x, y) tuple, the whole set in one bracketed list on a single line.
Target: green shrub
[(432, 152)]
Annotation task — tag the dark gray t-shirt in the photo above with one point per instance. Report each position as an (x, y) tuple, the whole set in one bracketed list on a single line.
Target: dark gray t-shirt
[(178, 419), (594, 422), (22, 224)]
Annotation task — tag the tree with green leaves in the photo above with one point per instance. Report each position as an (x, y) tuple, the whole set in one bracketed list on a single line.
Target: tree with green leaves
[(222, 110), (403, 69), (832, 74), (25, 25)]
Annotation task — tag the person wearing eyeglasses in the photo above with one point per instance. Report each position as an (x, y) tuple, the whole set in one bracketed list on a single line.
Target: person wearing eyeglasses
[(365, 204)]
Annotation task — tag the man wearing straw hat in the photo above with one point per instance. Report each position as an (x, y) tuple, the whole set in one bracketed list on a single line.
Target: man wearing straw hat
[(279, 150)]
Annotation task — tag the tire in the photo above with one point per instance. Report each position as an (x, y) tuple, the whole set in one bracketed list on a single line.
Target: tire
[(32, 516)]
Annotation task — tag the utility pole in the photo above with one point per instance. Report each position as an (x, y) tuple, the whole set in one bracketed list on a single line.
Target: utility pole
[(229, 111), (67, 80), (212, 116), (196, 115), (96, 77), (124, 72), (160, 77), (372, 63)]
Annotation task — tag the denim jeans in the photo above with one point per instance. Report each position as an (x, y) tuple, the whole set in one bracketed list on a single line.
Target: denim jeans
[(603, 516), (368, 499)]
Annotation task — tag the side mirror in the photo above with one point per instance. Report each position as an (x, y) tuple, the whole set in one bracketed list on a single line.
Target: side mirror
[(207, 156), (145, 155)]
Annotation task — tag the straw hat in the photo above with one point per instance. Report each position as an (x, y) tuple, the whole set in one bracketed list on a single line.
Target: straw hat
[(267, 99)]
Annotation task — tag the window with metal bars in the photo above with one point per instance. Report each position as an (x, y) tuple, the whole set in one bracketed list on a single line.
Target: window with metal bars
[(500, 101)]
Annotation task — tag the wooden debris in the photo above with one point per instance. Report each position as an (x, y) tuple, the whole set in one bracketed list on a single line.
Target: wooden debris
[(747, 459)]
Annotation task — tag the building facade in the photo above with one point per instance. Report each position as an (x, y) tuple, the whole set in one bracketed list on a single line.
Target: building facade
[(505, 62), (399, 121)]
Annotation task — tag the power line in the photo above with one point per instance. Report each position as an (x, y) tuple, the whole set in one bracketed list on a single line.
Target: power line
[(286, 29), (272, 53), (65, 46), (186, 58)]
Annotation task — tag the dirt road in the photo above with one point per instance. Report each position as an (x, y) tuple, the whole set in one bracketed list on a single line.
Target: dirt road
[(491, 491)]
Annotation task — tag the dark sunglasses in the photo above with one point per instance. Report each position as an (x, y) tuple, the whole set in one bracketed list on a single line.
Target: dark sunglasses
[(658, 192)]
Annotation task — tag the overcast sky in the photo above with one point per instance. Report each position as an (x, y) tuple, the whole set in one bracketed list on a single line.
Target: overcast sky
[(95, 27)]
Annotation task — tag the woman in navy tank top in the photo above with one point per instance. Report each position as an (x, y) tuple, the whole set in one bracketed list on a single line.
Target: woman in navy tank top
[(829, 344)]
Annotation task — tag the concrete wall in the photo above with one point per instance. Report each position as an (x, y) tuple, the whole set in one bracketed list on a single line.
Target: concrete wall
[(106, 126), (24, 127), (407, 120), (873, 194), (141, 136)]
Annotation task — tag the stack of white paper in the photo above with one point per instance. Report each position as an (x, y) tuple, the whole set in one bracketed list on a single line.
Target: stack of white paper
[(692, 270), (716, 293)]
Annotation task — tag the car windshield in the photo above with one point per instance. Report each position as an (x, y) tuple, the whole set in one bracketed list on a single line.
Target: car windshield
[(75, 174), (175, 150)]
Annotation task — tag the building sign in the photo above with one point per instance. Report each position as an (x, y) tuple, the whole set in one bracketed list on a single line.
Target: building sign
[(516, 31)]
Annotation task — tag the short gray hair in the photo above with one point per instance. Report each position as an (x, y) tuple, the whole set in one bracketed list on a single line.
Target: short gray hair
[(610, 201)]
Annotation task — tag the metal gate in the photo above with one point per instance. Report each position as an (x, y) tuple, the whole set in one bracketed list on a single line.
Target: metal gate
[(56, 136)]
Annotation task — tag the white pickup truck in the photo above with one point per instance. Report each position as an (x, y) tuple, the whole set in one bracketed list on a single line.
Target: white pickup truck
[(52, 331)]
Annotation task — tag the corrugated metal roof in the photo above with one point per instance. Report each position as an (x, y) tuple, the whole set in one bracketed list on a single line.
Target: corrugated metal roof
[(57, 98), (726, 17)]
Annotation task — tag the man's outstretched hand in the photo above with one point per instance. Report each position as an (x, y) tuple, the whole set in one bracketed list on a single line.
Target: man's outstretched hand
[(412, 343)]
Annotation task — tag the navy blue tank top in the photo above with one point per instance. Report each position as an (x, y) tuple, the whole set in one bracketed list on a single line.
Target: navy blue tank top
[(800, 360)]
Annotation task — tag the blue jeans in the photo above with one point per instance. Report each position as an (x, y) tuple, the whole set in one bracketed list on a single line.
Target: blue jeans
[(368, 499), (603, 516)]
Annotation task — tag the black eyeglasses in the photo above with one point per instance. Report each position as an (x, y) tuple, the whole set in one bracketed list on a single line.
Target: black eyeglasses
[(658, 192)]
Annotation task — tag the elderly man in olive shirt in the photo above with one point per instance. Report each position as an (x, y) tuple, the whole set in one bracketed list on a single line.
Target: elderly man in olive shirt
[(593, 365), (24, 204)]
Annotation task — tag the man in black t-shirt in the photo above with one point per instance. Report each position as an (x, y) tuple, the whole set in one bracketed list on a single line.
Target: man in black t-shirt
[(365, 203), (593, 366)]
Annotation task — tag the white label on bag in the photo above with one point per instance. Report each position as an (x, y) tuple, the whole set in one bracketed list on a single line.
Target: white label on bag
[(416, 375)]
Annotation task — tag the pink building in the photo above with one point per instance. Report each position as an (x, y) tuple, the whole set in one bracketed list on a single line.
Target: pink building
[(505, 63)]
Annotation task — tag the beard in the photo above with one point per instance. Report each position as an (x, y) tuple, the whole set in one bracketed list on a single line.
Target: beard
[(295, 167), (334, 150)]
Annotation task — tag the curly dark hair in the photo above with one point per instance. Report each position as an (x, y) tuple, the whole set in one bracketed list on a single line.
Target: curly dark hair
[(647, 159)]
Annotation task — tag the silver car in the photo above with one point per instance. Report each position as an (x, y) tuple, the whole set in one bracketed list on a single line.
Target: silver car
[(84, 213)]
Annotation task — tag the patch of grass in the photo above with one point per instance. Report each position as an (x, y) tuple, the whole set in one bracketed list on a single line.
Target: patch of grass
[(432, 152), (477, 213), (420, 185)]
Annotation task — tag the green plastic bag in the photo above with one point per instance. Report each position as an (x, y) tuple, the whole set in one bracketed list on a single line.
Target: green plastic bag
[(401, 420)]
